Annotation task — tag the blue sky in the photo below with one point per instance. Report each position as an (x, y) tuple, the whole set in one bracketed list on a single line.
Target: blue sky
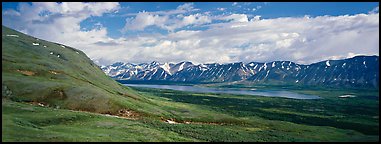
[(141, 28)]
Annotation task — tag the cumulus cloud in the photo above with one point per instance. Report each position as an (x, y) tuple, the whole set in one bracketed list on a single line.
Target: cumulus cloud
[(60, 22), (235, 18), (195, 19), (256, 18), (373, 11), (304, 40), (168, 20), (225, 38), (186, 7), (143, 20), (301, 39)]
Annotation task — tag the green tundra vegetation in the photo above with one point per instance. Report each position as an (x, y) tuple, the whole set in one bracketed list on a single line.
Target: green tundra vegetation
[(52, 92)]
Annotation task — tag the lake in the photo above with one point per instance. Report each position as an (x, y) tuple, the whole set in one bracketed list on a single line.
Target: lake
[(267, 93)]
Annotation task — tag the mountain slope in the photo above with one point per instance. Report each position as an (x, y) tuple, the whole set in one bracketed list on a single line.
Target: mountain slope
[(359, 72), (39, 71), (356, 72)]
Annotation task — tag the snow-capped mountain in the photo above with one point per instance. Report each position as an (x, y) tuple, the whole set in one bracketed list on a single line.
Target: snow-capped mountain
[(359, 71), (144, 71)]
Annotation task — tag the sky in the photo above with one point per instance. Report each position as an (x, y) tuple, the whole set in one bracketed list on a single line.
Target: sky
[(203, 32)]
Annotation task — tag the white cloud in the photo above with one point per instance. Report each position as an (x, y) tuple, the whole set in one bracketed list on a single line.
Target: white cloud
[(181, 9), (143, 20), (186, 7), (300, 39), (373, 11), (235, 18), (256, 18), (303, 39), (221, 9), (60, 22), (166, 19), (196, 19)]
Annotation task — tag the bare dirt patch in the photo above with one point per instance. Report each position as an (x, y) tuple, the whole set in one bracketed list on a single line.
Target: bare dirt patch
[(25, 72), (173, 121), (126, 113), (209, 123), (54, 72), (41, 104)]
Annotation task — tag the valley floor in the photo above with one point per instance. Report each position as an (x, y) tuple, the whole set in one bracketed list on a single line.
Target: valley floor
[(204, 117)]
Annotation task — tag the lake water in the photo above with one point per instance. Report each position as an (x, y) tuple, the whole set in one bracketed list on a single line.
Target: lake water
[(267, 93)]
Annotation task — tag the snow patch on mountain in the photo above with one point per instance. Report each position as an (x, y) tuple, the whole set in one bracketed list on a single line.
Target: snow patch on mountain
[(265, 66), (166, 68), (327, 63), (181, 66), (364, 63), (255, 66)]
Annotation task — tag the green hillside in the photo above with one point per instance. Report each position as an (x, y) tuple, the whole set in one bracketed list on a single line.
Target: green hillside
[(60, 76)]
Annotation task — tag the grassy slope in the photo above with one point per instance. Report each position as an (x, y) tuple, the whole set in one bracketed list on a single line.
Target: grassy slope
[(80, 85), (25, 122), (70, 81), (224, 117), (360, 113)]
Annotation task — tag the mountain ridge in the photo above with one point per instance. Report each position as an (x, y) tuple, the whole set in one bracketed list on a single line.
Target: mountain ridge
[(358, 71)]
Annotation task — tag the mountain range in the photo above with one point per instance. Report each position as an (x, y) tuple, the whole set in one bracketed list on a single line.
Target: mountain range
[(358, 71)]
